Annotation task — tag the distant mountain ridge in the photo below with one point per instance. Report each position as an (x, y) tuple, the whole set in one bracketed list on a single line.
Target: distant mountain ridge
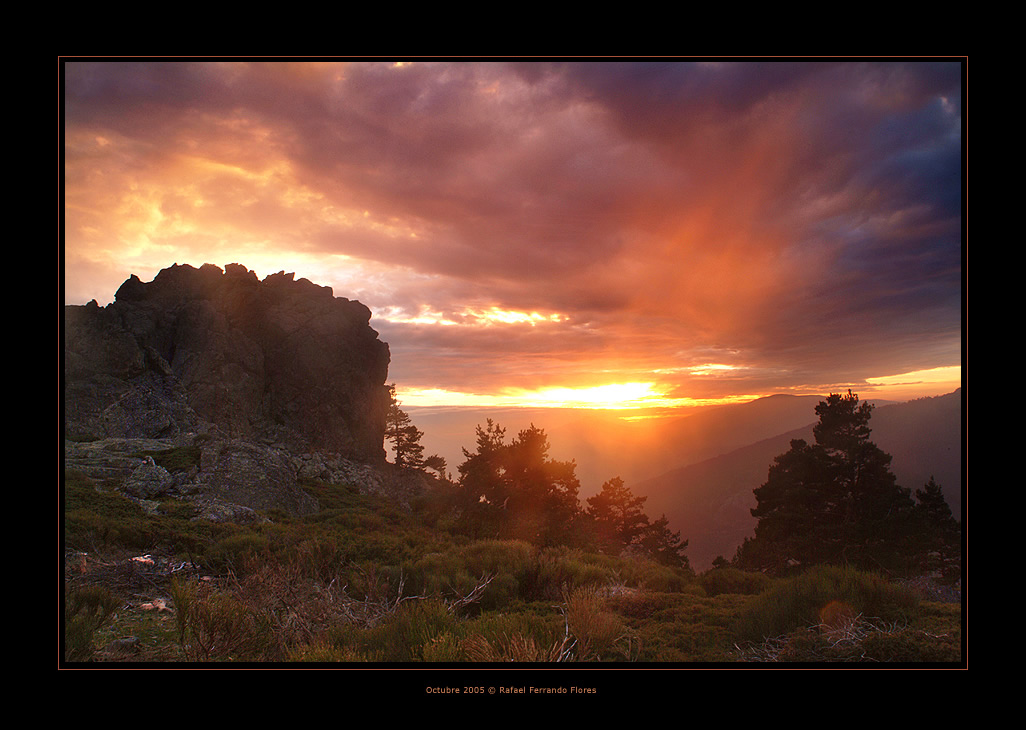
[(700, 470), (709, 502), (604, 445)]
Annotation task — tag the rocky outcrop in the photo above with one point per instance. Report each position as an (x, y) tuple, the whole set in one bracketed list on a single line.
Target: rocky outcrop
[(253, 374), (276, 361)]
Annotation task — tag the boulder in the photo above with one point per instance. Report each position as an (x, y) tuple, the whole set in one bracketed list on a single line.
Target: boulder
[(253, 476)]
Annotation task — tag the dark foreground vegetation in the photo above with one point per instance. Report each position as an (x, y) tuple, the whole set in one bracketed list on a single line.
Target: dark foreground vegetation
[(504, 565), (363, 581)]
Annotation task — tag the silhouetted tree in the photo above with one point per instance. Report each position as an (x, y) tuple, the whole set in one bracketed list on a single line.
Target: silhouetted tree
[(665, 545), (405, 437), (835, 501), (720, 562), (619, 522), (939, 536), (436, 464), (513, 490), (481, 487), (617, 515)]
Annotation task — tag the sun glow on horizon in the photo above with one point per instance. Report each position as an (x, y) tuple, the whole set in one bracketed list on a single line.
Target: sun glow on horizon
[(948, 374), (918, 383), (614, 397)]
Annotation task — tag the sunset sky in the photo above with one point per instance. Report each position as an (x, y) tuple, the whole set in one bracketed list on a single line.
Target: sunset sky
[(596, 233)]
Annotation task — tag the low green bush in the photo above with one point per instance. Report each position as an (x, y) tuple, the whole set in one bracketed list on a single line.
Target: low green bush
[(214, 625), (526, 636), (499, 557), (409, 633), (560, 568), (95, 517), (179, 459), (801, 601), (598, 632), (909, 645), (86, 610), (233, 549), (732, 580), (662, 578)]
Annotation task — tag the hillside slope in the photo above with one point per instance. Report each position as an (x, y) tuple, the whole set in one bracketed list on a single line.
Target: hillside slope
[(709, 502), (604, 445)]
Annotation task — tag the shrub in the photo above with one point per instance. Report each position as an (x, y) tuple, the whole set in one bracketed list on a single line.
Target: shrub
[(179, 459), (408, 633), (95, 518), (732, 580), (520, 637), (662, 578), (799, 602), (514, 647), (215, 626), (437, 574), (445, 649), (233, 550), (326, 654), (85, 611), (857, 640), (598, 632), (318, 557), (558, 569), (908, 645)]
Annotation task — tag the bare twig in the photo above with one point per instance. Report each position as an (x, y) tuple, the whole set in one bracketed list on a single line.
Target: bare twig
[(473, 596)]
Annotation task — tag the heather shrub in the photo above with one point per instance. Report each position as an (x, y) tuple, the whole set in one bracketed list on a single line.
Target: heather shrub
[(408, 634), (560, 568), (232, 551), (598, 632), (96, 517), (319, 557), (522, 637), (322, 653), (658, 577), (822, 594), (907, 645), (214, 625), (436, 574), (86, 610), (732, 580), (499, 557)]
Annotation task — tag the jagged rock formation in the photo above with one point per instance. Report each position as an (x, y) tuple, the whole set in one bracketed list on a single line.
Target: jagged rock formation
[(251, 374)]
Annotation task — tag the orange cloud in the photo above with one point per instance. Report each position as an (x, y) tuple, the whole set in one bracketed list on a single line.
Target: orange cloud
[(798, 222)]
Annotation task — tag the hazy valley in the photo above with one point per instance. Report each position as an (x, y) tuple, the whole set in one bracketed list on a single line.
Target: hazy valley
[(700, 469)]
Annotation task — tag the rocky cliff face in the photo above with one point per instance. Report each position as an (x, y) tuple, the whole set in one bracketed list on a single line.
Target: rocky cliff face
[(252, 374)]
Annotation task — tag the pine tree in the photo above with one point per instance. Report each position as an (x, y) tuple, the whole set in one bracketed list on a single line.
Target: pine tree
[(514, 490), (404, 436), (664, 545), (835, 501), (617, 515), (437, 464), (939, 536)]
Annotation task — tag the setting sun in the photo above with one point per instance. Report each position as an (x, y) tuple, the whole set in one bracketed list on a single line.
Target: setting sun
[(644, 398)]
